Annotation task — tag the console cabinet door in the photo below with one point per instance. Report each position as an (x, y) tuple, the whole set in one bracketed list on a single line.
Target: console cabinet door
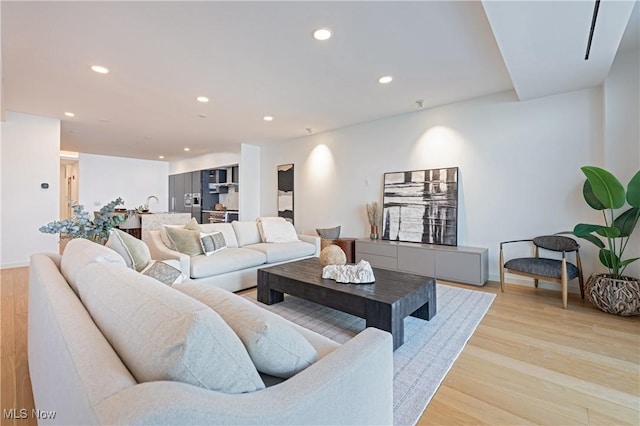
[(417, 261), (460, 267)]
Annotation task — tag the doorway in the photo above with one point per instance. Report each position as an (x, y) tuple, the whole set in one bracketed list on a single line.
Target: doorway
[(68, 186)]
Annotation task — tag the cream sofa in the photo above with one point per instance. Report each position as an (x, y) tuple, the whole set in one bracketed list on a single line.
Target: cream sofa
[(76, 370), (235, 267)]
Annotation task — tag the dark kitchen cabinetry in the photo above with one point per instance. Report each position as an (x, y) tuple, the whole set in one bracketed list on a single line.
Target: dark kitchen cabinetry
[(185, 194), (204, 191)]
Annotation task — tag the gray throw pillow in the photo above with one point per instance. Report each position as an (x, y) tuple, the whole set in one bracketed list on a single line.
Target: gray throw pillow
[(163, 272), (212, 243)]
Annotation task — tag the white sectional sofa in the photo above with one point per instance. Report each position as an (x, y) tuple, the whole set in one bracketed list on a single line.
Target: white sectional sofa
[(109, 345), (246, 250)]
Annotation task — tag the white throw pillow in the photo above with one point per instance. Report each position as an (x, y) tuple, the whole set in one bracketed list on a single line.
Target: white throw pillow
[(274, 346), (212, 243), (279, 231), (261, 219), (134, 251), (162, 334), (166, 271), (246, 232)]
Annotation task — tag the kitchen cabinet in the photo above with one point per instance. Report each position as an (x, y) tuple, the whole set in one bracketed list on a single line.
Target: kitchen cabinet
[(200, 191)]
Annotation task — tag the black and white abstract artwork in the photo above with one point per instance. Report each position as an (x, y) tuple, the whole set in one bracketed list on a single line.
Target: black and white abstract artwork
[(285, 191), (421, 206)]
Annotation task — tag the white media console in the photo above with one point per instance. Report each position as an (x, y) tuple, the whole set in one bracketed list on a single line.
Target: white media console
[(467, 265)]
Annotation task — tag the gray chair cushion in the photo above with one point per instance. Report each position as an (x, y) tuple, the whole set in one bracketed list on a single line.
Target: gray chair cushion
[(551, 268), (556, 243)]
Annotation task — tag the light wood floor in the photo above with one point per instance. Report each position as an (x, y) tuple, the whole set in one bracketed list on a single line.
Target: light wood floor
[(529, 362)]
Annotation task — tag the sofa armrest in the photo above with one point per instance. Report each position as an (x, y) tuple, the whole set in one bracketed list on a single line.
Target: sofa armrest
[(351, 385), (312, 239), (161, 252)]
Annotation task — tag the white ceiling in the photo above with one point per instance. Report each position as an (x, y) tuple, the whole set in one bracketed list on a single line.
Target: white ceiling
[(258, 58)]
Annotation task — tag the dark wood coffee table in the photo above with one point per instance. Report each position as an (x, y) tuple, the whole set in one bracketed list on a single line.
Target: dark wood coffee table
[(383, 304)]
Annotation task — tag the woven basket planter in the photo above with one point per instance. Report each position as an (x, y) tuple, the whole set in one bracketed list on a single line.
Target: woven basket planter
[(620, 296)]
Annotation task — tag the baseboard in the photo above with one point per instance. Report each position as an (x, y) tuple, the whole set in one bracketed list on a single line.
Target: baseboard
[(13, 265), (573, 286)]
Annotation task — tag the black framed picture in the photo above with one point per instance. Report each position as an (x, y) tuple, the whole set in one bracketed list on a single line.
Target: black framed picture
[(421, 206), (285, 191)]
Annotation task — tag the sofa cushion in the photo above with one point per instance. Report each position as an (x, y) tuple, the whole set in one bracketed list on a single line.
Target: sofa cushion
[(231, 259), (212, 243), (185, 241), (246, 232), (133, 250), (284, 251), (275, 347), (278, 232), (79, 252), (162, 334), (226, 229), (166, 271), (265, 218), (165, 237)]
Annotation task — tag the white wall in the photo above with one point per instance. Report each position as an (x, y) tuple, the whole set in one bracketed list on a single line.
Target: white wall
[(30, 147), (249, 188), (519, 166), (103, 179), (622, 131)]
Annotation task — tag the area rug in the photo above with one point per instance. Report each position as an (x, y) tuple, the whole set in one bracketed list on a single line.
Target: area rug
[(430, 348)]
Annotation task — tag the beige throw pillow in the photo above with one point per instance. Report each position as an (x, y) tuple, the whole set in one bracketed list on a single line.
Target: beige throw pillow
[(185, 241), (274, 346), (193, 225), (134, 251), (162, 334)]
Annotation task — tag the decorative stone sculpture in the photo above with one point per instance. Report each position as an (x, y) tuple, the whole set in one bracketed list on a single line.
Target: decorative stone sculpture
[(360, 273), (332, 255)]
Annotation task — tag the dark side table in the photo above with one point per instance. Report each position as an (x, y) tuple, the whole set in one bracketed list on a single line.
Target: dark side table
[(348, 246)]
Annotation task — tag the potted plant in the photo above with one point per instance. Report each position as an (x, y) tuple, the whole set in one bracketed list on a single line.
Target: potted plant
[(81, 226), (612, 292)]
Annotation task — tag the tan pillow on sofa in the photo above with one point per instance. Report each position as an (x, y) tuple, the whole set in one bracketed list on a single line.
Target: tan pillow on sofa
[(185, 241), (274, 346), (134, 251), (162, 334)]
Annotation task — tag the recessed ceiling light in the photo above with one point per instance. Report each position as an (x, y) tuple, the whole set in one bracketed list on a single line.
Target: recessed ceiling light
[(100, 69), (69, 114), (202, 99), (385, 79), (267, 118), (161, 157), (322, 34), (187, 149)]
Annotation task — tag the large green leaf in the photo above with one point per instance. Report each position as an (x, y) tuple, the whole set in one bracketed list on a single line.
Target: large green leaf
[(590, 197), (606, 187), (582, 229), (592, 239), (628, 261), (609, 232), (627, 221), (633, 191), (609, 259)]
